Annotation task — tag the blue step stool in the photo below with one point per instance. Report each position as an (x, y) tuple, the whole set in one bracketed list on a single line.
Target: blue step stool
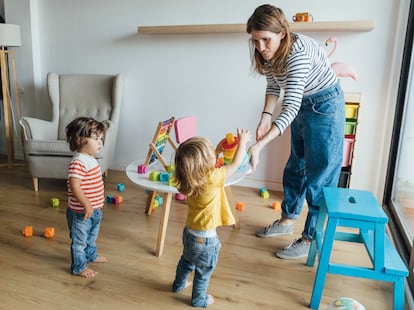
[(344, 207)]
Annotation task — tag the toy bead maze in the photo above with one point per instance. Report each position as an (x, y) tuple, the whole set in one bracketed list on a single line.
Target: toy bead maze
[(157, 146)]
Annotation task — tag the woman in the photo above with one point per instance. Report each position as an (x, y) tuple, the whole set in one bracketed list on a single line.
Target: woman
[(313, 105)]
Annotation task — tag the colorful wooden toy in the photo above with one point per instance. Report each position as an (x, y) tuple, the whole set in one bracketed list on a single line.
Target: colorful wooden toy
[(54, 202), (240, 206), (171, 169), (154, 175), (276, 205), (27, 231), (164, 176), (121, 187), (109, 198), (265, 194), (49, 232), (142, 169), (180, 197), (117, 199)]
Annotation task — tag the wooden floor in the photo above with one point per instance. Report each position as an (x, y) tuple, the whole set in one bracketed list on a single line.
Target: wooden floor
[(34, 271)]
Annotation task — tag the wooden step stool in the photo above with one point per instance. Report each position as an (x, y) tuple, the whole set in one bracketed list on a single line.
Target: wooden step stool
[(344, 207)]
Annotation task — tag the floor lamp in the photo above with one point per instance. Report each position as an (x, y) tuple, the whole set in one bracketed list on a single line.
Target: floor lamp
[(9, 36)]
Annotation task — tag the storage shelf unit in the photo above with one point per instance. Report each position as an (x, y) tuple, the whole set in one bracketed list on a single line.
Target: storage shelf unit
[(352, 104), (326, 26)]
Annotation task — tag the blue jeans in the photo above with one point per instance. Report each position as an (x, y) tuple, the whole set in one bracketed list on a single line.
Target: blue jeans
[(317, 136), (83, 234), (200, 255)]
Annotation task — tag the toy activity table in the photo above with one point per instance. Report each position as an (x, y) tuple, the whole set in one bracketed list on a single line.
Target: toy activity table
[(143, 181)]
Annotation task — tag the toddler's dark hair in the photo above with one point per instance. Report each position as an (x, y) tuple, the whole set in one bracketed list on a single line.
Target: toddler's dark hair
[(81, 128)]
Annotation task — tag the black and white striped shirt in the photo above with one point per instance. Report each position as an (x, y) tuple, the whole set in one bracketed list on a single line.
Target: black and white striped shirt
[(307, 72)]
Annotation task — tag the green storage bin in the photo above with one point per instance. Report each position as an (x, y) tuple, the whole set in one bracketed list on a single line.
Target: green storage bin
[(350, 126)]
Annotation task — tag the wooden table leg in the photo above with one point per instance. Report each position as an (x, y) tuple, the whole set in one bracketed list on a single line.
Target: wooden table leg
[(150, 199), (165, 214)]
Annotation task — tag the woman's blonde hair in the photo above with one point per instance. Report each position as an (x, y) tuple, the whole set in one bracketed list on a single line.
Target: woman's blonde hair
[(194, 161), (270, 18)]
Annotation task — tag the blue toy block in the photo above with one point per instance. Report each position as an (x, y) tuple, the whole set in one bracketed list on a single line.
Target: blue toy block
[(121, 187), (164, 177)]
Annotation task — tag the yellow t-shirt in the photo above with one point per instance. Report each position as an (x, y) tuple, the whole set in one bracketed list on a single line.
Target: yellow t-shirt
[(210, 209)]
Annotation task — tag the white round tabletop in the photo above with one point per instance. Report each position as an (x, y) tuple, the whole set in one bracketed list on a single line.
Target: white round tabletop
[(143, 180)]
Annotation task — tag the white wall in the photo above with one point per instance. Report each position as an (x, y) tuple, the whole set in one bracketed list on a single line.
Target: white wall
[(206, 75)]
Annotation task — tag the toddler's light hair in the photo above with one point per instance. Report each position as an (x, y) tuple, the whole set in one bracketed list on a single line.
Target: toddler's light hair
[(194, 161)]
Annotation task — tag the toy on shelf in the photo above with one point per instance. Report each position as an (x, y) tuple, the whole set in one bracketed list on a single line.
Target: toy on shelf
[(302, 17), (54, 202), (27, 231), (49, 232), (227, 147)]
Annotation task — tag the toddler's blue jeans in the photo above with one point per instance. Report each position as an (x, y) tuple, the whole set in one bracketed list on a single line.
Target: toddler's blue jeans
[(83, 234), (200, 255)]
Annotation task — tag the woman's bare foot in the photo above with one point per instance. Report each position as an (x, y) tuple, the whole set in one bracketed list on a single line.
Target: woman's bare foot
[(87, 273), (210, 300), (188, 283), (100, 259)]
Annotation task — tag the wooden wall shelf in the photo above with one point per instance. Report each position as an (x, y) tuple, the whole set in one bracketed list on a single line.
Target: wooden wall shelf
[(339, 26)]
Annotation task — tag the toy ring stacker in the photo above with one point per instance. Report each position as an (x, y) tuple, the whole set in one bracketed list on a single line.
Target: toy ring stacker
[(228, 147)]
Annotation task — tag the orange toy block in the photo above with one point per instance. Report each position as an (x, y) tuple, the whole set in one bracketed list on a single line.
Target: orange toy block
[(27, 231), (240, 206), (49, 232), (276, 205)]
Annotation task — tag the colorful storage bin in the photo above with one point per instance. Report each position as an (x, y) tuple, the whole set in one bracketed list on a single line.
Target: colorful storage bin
[(350, 125), (348, 148), (351, 110)]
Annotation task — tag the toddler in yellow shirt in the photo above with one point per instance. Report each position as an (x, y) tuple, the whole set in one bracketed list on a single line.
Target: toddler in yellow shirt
[(198, 177)]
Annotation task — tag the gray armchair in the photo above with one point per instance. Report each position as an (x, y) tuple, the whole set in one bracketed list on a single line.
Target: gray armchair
[(72, 95)]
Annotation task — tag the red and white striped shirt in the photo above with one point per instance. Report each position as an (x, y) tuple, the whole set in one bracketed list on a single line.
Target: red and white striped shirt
[(88, 170)]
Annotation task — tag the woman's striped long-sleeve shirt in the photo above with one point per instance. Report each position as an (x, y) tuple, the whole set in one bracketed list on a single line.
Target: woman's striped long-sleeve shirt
[(307, 72)]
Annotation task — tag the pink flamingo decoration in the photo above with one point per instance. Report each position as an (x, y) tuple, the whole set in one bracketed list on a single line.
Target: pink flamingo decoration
[(341, 69)]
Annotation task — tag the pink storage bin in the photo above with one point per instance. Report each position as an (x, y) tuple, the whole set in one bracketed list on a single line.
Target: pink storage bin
[(348, 148)]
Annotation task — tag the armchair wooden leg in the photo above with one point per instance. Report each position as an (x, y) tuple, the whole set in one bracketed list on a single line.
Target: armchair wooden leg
[(36, 183)]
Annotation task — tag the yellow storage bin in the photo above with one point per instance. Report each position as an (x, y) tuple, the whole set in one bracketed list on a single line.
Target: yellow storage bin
[(351, 110)]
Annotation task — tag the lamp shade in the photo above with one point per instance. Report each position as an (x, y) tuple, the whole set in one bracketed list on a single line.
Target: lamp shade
[(10, 35)]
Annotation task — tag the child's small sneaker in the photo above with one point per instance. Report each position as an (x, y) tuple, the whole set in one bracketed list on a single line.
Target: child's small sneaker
[(297, 249)]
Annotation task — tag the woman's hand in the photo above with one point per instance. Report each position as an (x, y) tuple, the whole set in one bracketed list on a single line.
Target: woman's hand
[(264, 126), (254, 153)]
